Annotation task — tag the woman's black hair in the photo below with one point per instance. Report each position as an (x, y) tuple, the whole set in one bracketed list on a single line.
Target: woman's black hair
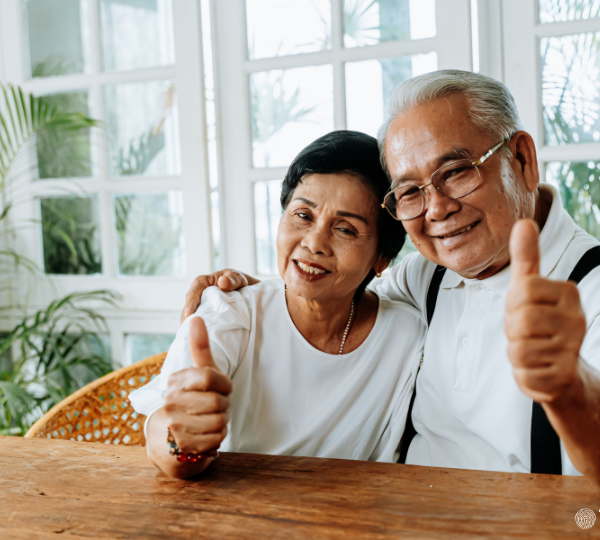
[(355, 153)]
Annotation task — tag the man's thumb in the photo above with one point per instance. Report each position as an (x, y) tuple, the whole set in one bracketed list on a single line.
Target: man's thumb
[(199, 344), (524, 249)]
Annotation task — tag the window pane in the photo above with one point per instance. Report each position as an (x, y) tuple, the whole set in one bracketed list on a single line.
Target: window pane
[(570, 88), (568, 10), (136, 34), (64, 153), (140, 346), (267, 212), (370, 83), (579, 187), (71, 236), (290, 108), (57, 36), (367, 22), (150, 234), (142, 129), (282, 27)]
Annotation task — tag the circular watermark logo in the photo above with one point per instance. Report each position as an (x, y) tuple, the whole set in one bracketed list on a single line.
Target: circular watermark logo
[(585, 518)]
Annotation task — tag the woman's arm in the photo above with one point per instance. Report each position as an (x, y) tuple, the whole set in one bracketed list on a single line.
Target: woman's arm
[(195, 410)]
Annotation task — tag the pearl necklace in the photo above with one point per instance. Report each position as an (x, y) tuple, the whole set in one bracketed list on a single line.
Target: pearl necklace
[(347, 328)]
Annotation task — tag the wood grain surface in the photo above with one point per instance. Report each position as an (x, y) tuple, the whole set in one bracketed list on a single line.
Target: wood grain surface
[(63, 489)]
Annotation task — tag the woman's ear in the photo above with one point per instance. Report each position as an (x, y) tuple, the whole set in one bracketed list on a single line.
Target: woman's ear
[(380, 265)]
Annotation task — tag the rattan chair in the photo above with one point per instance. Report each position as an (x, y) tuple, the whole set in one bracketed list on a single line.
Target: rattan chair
[(100, 411)]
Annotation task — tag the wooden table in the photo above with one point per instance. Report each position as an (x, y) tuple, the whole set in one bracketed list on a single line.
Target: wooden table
[(61, 489)]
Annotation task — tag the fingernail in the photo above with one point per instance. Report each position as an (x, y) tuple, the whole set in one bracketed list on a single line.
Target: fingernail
[(232, 280), (185, 313)]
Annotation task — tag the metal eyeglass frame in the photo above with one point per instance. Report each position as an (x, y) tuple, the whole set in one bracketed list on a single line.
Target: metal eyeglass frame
[(421, 188)]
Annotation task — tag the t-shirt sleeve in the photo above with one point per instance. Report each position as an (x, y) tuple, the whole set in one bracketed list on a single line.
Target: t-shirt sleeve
[(228, 321), (406, 282)]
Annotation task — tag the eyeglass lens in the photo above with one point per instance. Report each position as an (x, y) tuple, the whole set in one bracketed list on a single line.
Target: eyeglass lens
[(454, 180)]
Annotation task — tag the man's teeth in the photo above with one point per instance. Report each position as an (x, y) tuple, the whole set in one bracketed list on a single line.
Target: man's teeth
[(309, 269), (454, 234)]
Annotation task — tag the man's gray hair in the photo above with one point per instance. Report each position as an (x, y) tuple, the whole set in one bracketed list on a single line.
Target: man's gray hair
[(492, 107)]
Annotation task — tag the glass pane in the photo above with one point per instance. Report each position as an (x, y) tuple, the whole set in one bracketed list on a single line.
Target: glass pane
[(367, 22), (570, 88), (142, 129), (267, 213), (150, 234), (71, 235), (136, 34), (64, 153), (282, 27), (579, 187), (568, 10), (290, 108), (140, 346), (58, 37), (370, 83)]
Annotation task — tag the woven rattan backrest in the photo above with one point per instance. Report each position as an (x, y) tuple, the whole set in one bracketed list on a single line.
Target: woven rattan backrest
[(100, 411)]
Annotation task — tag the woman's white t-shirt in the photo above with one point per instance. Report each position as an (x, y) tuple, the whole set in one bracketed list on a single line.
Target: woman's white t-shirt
[(292, 399)]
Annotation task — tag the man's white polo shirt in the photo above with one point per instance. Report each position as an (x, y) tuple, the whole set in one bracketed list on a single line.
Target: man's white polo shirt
[(469, 412)]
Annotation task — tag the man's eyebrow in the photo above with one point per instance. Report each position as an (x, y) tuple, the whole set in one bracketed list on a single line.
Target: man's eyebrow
[(452, 155), (306, 201)]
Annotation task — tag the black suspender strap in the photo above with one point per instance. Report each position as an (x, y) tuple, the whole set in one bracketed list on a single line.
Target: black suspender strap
[(545, 443), (432, 294), (589, 261)]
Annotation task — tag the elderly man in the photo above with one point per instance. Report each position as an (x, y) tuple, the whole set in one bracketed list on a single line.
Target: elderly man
[(509, 379)]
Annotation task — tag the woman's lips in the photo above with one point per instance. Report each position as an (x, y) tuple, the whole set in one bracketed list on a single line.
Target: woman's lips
[(303, 270)]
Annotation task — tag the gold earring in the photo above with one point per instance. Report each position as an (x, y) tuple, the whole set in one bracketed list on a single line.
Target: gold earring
[(378, 274)]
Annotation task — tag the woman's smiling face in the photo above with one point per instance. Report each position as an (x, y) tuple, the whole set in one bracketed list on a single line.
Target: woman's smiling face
[(327, 237)]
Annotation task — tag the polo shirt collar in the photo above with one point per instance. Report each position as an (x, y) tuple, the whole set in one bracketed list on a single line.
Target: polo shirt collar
[(554, 239)]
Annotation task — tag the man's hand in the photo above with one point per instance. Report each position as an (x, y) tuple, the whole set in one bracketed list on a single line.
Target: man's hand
[(227, 280), (544, 322), (197, 398)]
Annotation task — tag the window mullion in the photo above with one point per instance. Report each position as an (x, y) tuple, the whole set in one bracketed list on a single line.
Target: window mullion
[(339, 87)]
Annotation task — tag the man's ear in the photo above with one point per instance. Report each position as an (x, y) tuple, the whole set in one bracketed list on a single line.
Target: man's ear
[(381, 264), (524, 161)]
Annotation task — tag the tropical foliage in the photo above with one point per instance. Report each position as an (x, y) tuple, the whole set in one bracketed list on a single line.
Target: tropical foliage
[(59, 350), (48, 354)]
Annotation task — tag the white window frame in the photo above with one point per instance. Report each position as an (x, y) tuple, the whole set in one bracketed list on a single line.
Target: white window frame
[(150, 304), (452, 45), (523, 74)]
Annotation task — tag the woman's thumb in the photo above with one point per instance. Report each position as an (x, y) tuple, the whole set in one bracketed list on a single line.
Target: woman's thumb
[(199, 344)]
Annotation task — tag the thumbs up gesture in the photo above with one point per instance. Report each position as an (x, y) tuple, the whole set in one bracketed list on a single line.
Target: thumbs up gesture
[(544, 322), (196, 401)]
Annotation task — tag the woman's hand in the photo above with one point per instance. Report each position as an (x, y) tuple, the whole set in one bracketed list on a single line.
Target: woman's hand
[(227, 280), (195, 410), (196, 400)]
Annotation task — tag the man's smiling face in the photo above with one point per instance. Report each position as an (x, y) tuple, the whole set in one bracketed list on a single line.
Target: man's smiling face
[(417, 144)]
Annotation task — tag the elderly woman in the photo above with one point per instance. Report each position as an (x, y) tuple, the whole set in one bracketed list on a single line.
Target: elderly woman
[(320, 367)]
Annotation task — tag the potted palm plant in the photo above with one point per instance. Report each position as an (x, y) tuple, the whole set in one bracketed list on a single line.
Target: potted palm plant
[(49, 353)]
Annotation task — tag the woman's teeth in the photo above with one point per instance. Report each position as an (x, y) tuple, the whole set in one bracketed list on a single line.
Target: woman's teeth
[(309, 269)]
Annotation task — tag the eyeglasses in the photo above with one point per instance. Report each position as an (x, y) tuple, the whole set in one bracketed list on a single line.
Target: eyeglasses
[(455, 180)]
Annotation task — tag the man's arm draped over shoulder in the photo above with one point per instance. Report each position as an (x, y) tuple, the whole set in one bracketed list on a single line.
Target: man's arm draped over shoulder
[(227, 280)]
